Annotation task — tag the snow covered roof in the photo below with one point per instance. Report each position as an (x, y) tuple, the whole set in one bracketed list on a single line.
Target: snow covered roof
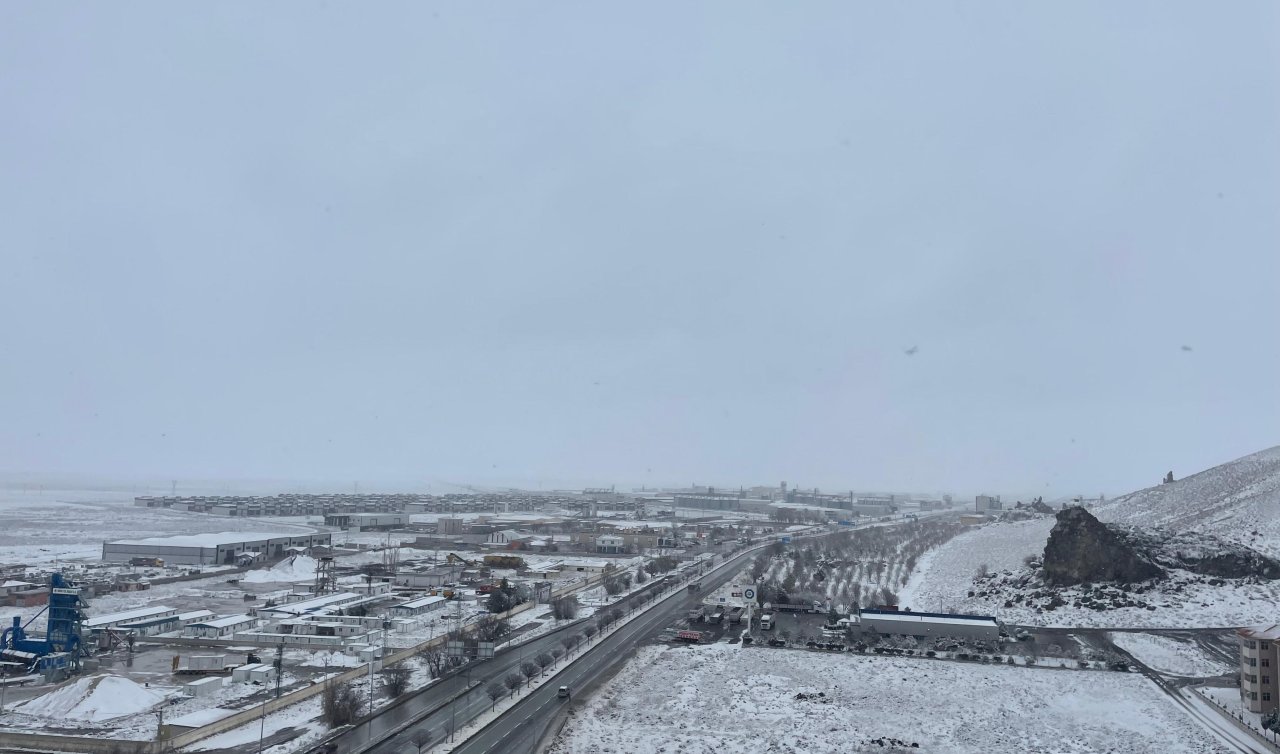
[(312, 605), (940, 618), (420, 602), (195, 615), (13, 584), (212, 539), (127, 615), (1266, 633), (227, 620)]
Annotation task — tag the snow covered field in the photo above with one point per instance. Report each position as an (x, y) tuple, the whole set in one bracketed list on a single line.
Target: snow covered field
[(1168, 655), (730, 700), (41, 526)]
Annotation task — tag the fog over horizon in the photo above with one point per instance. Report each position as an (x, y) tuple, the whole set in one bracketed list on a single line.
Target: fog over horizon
[(1006, 248)]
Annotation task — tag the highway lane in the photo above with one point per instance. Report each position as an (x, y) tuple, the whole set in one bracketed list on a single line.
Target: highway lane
[(467, 703), (442, 694), (455, 700), (521, 727)]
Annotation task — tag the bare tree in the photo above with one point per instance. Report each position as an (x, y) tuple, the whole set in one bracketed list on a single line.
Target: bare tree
[(529, 670), (494, 691), (491, 627), (421, 738), (983, 570), (569, 642), (513, 682), (397, 679), (340, 704), (544, 661), (590, 630), (557, 653), (565, 608)]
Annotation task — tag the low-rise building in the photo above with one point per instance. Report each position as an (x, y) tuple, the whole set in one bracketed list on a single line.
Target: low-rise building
[(112, 620), (218, 628), (929, 625), (610, 543), (366, 521), (419, 606)]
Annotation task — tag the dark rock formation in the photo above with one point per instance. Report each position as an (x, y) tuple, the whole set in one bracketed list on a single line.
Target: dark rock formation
[(1082, 549), (1205, 555)]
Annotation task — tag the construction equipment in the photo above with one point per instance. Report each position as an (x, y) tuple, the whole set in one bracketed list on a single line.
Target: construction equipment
[(61, 646)]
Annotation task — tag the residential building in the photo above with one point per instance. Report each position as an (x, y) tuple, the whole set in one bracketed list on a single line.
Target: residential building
[(1259, 661), (986, 503), (610, 543)]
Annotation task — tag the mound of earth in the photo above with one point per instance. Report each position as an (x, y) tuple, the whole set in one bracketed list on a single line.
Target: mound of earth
[(93, 699)]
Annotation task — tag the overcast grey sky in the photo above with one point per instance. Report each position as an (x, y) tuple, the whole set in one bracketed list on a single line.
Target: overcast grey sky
[(654, 243)]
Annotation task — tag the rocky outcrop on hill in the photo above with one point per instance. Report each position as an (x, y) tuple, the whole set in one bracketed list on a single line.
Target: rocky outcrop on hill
[(1083, 549), (1205, 555)]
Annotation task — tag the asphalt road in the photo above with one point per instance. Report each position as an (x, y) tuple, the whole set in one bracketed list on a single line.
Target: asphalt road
[(459, 698), (465, 694), (519, 730)]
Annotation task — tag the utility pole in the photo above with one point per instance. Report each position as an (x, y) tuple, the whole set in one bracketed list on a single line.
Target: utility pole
[(369, 728), (262, 726), (279, 663)]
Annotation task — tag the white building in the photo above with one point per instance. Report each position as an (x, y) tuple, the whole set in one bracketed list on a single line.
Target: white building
[(420, 606), (112, 620), (219, 627), (222, 548), (985, 503), (610, 543)]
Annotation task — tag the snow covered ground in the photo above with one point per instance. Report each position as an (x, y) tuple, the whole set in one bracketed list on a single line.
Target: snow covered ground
[(1167, 655), (92, 699), (1238, 501), (946, 577), (296, 568), (42, 526), (730, 700)]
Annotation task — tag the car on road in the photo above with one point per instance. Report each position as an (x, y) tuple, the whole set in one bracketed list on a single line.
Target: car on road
[(563, 693)]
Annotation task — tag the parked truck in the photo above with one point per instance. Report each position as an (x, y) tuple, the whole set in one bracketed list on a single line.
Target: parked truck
[(766, 621)]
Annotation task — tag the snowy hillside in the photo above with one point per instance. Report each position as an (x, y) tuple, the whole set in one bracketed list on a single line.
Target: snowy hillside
[(1238, 501)]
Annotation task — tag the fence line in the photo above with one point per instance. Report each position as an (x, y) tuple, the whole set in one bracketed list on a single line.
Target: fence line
[(1238, 718)]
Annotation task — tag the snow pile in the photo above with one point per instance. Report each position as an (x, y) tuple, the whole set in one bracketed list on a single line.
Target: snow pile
[(296, 568), (1171, 656), (93, 699), (746, 700), (1238, 501)]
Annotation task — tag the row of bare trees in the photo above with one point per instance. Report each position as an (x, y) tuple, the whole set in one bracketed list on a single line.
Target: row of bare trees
[(862, 567)]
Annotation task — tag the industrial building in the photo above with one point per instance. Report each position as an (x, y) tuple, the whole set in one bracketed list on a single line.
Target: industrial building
[(222, 548), (930, 625), (366, 521)]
